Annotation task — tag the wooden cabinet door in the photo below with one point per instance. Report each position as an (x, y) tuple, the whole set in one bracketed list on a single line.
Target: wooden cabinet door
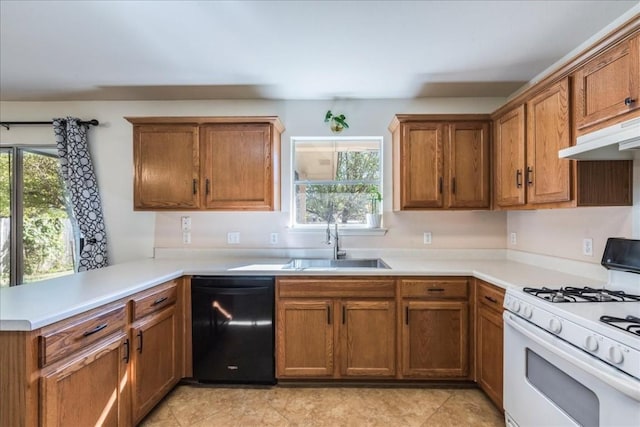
[(154, 352), (489, 353), (510, 158), (88, 389), (304, 338), (468, 165), (422, 164), (237, 171), (368, 338), (166, 163), (435, 337), (548, 178), (608, 85)]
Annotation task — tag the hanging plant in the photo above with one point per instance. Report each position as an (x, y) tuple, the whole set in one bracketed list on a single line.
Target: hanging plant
[(336, 123)]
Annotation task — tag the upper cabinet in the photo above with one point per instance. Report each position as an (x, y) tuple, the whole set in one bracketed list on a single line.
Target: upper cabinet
[(608, 86), (548, 131), (440, 162), (214, 163), (510, 131)]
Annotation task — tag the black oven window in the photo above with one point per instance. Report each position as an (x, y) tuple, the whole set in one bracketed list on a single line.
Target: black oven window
[(572, 397)]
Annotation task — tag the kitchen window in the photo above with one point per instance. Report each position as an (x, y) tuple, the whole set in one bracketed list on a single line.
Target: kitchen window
[(36, 234), (335, 179)]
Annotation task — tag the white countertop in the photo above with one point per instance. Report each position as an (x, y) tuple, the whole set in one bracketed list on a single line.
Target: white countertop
[(32, 306)]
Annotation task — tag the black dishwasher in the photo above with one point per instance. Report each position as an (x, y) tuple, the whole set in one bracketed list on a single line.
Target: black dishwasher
[(232, 329)]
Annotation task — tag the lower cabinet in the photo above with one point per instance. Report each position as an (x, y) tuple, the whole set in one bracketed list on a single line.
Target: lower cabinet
[(304, 338), (341, 328), (155, 347), (489, 340), (435, 339), (435, 328), (154, 369), (367, 338), (88, 388)]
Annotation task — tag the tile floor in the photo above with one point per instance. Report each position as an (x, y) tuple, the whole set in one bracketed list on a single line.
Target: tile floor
[(200, 406)]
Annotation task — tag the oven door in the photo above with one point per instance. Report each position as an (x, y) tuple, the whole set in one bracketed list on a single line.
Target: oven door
[(549, 382)]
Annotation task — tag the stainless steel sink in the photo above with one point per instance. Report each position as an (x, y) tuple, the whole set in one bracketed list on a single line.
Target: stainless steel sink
[(327, 263)]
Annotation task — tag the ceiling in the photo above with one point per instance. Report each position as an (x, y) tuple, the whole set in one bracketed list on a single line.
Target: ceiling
[(128, 50)]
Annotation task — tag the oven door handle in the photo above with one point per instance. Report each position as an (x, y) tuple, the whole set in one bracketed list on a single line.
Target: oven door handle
[(605, 373)]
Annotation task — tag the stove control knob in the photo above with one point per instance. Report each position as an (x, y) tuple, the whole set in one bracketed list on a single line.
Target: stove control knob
[(615, 355), (591, 343), (527, 311), (555, 325), (515, 306)]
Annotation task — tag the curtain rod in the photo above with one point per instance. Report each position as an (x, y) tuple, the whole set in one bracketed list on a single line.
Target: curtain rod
[(92, 122)]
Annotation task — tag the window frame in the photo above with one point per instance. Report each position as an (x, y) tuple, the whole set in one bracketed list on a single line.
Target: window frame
[(354, 228), (16, 203)]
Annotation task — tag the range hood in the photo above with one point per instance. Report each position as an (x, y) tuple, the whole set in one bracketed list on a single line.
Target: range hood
[(611, 143)]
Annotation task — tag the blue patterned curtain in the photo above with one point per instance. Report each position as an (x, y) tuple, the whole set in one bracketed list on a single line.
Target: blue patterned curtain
[(82, 186)]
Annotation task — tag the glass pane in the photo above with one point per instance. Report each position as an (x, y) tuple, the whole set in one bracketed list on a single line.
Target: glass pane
[(48, 243), (345, 204), (337, 160), (5, 217)]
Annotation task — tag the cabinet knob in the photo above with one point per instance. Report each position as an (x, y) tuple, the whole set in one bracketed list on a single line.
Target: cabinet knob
[(628, 101), (529, 175), (518, 178)]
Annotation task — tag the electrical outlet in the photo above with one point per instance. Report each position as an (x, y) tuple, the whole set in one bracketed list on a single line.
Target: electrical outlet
[(186, 237), (513, 238), (587, 247), (233, 238), (426, 238), (273, 238), (186, 223)]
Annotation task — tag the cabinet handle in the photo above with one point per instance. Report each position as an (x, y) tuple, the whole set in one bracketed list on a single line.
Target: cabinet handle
[(207, 186), (126, 350), (435, 290), (453, 185), (344, 315), (140, 342), (529, 175), (440, 185), (493, 300), (195, 186), (159, 301), (328, 315), (406, 315), (628, 101), (94, 330), (519, 178)]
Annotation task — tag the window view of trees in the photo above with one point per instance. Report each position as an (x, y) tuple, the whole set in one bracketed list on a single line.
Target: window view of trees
[(335, 181), (47, 242)]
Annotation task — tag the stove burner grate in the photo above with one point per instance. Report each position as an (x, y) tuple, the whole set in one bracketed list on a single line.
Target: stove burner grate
[(630, 323), (585, 294)]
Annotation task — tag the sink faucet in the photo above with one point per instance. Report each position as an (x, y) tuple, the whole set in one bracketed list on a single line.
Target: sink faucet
[(337, 253)]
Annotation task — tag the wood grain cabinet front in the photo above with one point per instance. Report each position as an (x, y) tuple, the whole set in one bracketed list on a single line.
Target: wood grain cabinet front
[(155, 347), (441, 161), (528, 173), (435, 328), (335, 328), (90, 388), (212, 163), (489, 342), (607, 87)]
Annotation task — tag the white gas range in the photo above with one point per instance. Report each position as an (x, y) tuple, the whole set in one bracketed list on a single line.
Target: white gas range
[(572, 354)]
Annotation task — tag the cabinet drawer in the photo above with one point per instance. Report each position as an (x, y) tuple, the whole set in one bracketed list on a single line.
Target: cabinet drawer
[(147, 302), (66, 337), (490, 296), (435, 288), (336, 287)]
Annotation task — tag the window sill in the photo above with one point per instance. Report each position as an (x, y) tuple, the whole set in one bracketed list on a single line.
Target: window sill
[(354, 231)]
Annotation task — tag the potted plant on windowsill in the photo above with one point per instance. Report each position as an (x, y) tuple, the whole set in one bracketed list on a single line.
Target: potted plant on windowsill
[(336, 123), (374, 219)]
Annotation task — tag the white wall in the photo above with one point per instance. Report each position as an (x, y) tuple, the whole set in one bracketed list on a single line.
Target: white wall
[(133, 235)]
